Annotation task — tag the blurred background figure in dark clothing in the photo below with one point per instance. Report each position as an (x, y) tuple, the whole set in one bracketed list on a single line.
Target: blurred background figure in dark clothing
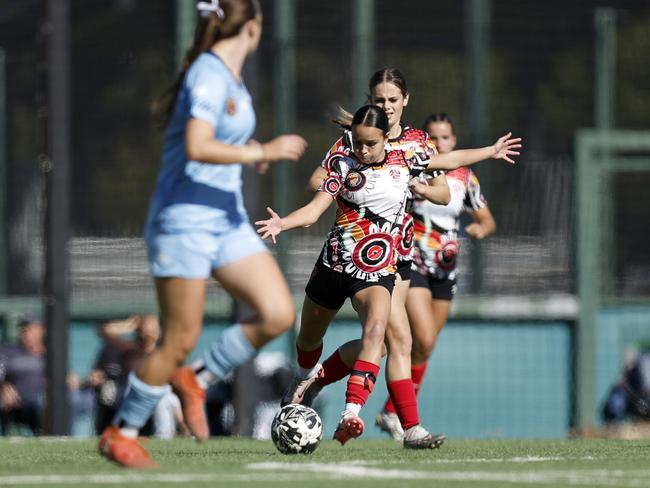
[(22, 380)]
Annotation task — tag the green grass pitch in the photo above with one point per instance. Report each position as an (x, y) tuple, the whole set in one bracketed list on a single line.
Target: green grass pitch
[(361, 463)]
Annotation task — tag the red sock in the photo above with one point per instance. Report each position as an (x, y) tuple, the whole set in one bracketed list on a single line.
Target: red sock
[(308, 359), (403, 396), (335, 369), (389, 407), (417, 373), (361, 382)]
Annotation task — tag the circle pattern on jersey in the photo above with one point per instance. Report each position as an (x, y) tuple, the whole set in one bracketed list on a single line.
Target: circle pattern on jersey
[(354, 180), (405, 242), (335, 156), (373, 252), (332, 185)]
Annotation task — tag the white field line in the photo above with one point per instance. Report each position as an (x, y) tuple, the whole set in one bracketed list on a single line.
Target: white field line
[(618, 478), (305, 472), (134, 478), (526, 459)]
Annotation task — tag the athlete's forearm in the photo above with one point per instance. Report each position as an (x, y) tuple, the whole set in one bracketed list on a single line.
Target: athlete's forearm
[(438, 194), (463, 157), (307, 215), (437, 191), (216, 152)]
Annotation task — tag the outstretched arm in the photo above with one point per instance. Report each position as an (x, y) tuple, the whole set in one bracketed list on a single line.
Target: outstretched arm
[(302, 217), (437, 191), (505, 147)]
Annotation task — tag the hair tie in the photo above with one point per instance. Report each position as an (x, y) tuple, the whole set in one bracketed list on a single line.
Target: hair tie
[(208, 8)]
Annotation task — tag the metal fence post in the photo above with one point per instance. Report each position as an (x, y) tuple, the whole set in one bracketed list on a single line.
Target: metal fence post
[(363, 49), (56, 165), (284, 103), (478, 26)]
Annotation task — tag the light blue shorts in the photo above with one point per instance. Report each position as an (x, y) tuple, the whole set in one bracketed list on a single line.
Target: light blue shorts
[(196, 254)]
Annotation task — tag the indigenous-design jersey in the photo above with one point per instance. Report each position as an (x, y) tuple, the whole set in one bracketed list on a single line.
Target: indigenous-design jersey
[(436, 226), (417, 147), (371, 200)]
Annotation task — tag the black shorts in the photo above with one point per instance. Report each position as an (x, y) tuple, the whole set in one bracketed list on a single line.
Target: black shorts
[(404, 269), (440, 289), (329, 288)]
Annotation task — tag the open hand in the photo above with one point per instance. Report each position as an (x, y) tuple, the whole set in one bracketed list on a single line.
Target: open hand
[(504, 147), (271, 227)]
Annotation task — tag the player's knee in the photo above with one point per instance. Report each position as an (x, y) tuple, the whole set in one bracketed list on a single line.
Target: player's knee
[(374, 333), (178, 348), (279, 320), (399, 342), (420, 352)]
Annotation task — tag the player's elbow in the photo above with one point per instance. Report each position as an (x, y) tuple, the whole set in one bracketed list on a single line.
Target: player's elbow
[(193, 151), (445, 197), (489, 226)]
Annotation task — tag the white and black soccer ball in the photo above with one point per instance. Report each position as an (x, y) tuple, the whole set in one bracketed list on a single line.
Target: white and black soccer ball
[(296, 429)]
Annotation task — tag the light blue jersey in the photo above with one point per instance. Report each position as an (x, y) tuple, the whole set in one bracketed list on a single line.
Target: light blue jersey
[(191, 195), (197, 221)]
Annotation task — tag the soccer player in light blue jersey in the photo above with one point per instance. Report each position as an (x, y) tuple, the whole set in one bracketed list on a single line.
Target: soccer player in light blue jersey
[(198, 228)]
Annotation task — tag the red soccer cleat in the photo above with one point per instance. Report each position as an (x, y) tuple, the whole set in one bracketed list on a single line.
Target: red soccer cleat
[(350, 427), (192, 398), (124, 451)]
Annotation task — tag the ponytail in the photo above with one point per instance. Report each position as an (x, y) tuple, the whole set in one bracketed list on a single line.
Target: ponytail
[(217, 20), (343, 118)]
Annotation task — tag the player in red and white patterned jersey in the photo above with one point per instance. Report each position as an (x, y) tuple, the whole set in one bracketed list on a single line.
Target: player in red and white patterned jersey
[(433, 280), (415, 143), (388, 91), (370, 186)]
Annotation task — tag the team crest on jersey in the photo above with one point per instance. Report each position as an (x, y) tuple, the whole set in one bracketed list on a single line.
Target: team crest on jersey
[(354, 180), (231, 107)]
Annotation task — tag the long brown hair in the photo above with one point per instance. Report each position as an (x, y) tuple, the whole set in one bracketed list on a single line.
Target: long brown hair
[(211, 28), (385, 75), (389, 75)]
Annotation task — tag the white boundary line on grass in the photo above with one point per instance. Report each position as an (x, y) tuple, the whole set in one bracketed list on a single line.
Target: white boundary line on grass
[(143, 477), (526, 459), (304, 472), (594, 477)]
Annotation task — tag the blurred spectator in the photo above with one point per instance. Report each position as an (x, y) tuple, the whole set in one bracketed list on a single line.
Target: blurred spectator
[(629, 398), (126, 344), (22, 379)]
